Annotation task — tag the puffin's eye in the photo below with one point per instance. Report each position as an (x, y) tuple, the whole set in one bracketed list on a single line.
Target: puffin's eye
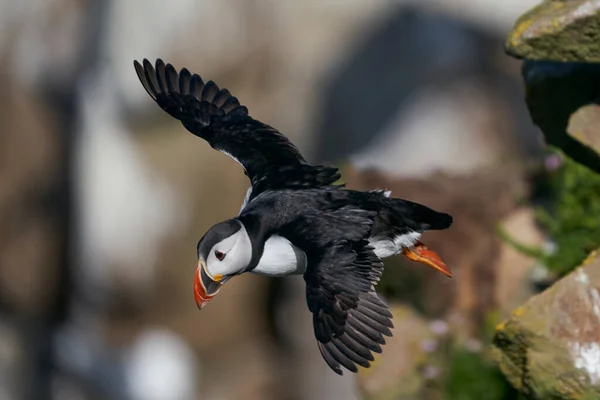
[(220, 255)]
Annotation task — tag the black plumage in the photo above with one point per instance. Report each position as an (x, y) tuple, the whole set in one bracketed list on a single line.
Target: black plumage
[(332, 225)]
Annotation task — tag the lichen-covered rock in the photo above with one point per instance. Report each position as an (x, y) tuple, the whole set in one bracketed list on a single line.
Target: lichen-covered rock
[(550, 347), (558, 30)]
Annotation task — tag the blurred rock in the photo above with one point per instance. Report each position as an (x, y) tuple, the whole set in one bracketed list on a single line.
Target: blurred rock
[(558, 31), (456, 128), (13, 362), (514, 267), (30, 159), (550, 347), (395, 375)]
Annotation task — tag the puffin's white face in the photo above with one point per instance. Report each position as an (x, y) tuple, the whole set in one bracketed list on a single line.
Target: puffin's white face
[(223, 252), (230, 256)]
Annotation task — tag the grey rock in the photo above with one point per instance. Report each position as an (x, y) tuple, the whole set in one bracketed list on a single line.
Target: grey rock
[(550, 346)]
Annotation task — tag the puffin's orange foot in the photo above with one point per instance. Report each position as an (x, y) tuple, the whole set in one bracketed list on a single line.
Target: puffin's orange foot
[(421, 253)]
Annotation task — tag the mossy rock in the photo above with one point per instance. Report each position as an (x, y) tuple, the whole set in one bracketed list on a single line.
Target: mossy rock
[(558, 30), (550, 347)]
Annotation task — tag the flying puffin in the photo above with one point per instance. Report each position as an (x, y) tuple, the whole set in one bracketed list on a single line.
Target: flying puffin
[(295, 219)]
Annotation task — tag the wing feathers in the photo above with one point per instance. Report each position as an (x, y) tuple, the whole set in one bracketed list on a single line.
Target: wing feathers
[(351, 354), (184, 81), (350, 320), (150, 78), (196, 86), (172, 79), (339, 357), (377, 318), (269, 159), (368, 331), (358, 348), (330, 360), (209, 92), (161, 76), (356, 335)]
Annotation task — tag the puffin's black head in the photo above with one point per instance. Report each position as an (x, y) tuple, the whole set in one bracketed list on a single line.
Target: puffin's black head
[(224, 251)]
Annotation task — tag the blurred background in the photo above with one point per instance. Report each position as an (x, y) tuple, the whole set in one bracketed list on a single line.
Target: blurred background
[(103, 197)]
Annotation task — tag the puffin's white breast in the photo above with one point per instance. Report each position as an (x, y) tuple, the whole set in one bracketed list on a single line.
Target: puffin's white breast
[(281, 258)]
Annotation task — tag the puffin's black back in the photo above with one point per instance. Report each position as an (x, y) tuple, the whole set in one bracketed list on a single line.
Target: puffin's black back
[(394, 216)]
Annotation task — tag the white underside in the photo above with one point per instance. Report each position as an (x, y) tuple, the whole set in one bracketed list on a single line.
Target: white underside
[(280, 258)]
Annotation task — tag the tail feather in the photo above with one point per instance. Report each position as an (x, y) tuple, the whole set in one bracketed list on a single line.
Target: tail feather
[(440, 221), (421, 217)]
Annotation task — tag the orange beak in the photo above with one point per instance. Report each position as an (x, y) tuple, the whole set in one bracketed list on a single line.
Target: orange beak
[(205, 286), (421, 253)]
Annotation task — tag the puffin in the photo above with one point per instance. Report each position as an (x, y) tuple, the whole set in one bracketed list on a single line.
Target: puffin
[(297, 219)]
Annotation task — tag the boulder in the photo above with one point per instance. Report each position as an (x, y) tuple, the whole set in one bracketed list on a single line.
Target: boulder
[(567, 31), (550, 347)]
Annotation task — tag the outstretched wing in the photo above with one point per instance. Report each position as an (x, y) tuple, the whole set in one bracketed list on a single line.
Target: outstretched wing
[(350, 320), (269, 159)]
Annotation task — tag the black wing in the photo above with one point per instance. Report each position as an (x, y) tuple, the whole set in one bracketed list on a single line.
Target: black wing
[(269, 159), (350, 321)]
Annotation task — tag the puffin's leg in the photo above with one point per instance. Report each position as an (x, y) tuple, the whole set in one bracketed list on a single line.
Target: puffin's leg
[(421, 253)]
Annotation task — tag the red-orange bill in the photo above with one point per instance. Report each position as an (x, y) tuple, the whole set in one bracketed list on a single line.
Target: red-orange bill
[(205, 288), (421, 253)]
